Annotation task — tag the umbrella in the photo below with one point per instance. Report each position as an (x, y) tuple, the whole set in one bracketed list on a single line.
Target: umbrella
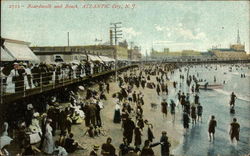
[(4, 140)]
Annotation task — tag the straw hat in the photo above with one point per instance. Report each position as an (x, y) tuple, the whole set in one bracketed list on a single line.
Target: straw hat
[(81, 88), (96, 147)]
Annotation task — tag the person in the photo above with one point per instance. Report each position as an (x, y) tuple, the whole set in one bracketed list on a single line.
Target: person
[(107, 148), (196, 98), (94, 151), (59, 150), (48, 143), (117, 115), (193, 114), (30, 150), (199, 112), (164, 108), (124, 147), (172, 109), (150, 132), (138, 135), (183, 99), (232, 101), (165, 145), (211, 127), (107, 87), (147, 150), (185, 120), (234, 130), (158, 90), (70, 144), (134, 95), (129, 127)]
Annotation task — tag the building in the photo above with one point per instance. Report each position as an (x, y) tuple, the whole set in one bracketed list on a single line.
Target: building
[(134, 54), (53, 54), (234, 52), (185, 55), (16, 50)]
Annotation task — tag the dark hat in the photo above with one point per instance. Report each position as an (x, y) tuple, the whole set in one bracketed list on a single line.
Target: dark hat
[(164, 132)]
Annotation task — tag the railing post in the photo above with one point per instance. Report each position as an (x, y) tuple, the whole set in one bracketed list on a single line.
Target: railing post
[(24, 89), (54, 79), (41, 83)]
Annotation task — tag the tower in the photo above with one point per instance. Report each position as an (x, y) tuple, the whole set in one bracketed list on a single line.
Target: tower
[(238, 36)]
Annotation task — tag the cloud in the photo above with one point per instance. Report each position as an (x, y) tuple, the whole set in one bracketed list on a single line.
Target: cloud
[(162, 28), (180, 31), (130, 32), (190, 34)]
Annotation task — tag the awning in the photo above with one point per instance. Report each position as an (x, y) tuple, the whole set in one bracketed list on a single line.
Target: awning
[(5, 56), (20, 52), (94, 58), (107, 59), (121, 59)]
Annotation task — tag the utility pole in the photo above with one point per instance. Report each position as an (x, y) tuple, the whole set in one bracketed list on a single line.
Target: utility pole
[(68, 39), (115, 33)]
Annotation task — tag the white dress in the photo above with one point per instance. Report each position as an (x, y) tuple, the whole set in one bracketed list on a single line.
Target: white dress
[(48, 144)]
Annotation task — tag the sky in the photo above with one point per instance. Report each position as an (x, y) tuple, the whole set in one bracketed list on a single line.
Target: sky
[(181, 25)]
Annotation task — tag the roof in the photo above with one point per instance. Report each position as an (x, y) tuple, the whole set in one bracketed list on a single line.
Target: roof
[(15, 41)]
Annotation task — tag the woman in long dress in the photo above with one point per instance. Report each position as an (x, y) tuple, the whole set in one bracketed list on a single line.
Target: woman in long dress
[(138, 135), (117, 116), (48, 144)]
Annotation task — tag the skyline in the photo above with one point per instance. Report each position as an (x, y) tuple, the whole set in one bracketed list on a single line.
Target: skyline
[(174, 25)]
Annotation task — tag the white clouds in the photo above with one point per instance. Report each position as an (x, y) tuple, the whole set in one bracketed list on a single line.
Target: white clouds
[(180, 31), (189, 34), (130, 32), (162, 28)]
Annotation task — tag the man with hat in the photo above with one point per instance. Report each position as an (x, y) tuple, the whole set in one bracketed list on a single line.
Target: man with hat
[(107, 148), (94, 151), (129, 127), (165, 145)]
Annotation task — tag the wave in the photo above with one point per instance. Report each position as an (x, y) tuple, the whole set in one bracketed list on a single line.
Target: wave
[(239, 96), (235, 73)]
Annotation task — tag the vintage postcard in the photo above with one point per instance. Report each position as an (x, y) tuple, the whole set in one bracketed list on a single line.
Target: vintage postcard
[(124, 78)]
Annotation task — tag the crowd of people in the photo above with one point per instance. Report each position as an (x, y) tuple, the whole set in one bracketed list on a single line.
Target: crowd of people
[(16, 77), (35, 125)]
